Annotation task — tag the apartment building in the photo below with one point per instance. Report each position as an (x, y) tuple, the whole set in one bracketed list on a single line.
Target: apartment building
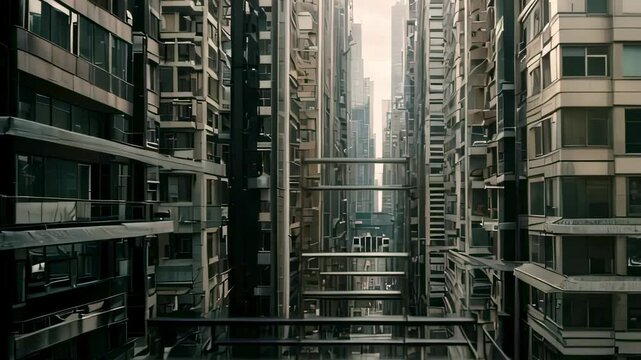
[(80, 217), (577, 121), (193, 102), (430, 136), (479, 168)]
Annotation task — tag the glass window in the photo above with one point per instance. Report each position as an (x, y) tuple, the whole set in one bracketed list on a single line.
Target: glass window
[(586, 197), (542, 250), (40, 18), (631, 56), (85, 38), (89, 261), (585, 127), (633, 249), (547, 74), (550, 202), (585, 61), (166, 79), (101, 48), (536, 198), (596, 6), (120, 59), (154, 27), (633, 131), (60, 25), (152, 76), (184, 79), (61, 115), (30, 175), (588, 255), (43, 109), (176, 188), (634, 196), (180, 246), (535, 80), (634, 311), (587, 311)]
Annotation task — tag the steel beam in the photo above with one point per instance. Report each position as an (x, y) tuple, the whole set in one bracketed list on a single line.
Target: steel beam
[(347, 160), (359, 187), (322, 320), (357, 254)]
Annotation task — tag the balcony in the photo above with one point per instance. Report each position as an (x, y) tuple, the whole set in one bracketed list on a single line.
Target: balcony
[(39, 333), (189, 218), (47, 210), (175, 273)]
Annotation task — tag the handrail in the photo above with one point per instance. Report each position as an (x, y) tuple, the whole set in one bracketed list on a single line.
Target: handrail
[(71, 310)]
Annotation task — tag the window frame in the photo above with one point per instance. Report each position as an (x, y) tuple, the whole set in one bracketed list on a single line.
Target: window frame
[(586, 58)]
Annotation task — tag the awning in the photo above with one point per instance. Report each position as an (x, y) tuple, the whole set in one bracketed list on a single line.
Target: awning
[(548, 281), (70, 235)]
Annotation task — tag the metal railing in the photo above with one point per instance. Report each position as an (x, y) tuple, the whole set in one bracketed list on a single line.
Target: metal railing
[(77, 312)]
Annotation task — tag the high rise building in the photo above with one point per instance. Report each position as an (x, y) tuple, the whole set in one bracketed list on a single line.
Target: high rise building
[(399, 16), (80, 219), (577, 126), (536, 176)]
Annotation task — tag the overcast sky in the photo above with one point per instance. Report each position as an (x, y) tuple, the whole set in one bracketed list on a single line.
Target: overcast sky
[(375, 17)]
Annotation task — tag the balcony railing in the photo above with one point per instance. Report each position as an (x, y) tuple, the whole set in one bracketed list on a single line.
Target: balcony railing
[(71, 314), (175, 272), (43, 210)]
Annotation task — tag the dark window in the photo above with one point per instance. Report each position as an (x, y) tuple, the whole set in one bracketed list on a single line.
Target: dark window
[(633, 250), (30, 175), (535, 81), (542, 250), (545, 65), (166, 79), (154, 26), (588, 255), (43, 109), (634, 311), (634, 196), (120, 66), (585, 126), (61, 115), (89, 261), (176, 188), (537, 299), (596, 6), (184, 79), (79, 120), (51, 21), (537, 198), (632, 131), (100, 48), (180, 246), (585, 61), (587, 311), (586, 197)]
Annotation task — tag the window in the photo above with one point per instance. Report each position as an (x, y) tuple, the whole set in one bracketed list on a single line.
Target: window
[(43, 109), (154, 26), (588, 255), (542, 134), (152, 76), (184, 79), (547, 74), (89, 261), (535, 81), (587, 311), (177, 140), (537, 299), (166, 79), (61, 114), (542, 250), (536, 198), (585, 61), (631, 56), (632, 131), (51, 21), (212, 58), (586, 197), (175, 188), (120, 59), (596, 6), (30, 175), (633, 249), (634, 196), (180, 246), (265, 46), (550, 201), (634, 311), (212, 245), (585, 126)]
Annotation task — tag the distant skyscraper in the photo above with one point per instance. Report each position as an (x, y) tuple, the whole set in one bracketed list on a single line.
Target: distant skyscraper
[(399, 16)]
